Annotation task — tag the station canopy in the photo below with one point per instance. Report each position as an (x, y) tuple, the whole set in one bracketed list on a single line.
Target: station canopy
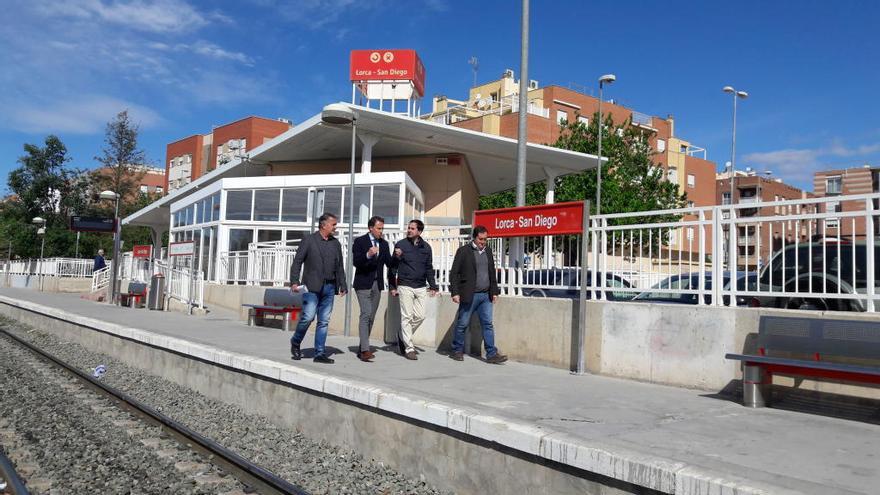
[(492, 159)]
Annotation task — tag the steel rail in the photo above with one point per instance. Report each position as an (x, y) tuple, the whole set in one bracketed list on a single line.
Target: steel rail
[(8, 476), (256, 477)]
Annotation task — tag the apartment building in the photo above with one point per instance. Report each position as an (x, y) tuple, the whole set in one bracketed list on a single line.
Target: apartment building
[(152, 179), (189, 158), (754, 242), (856, 180), (493, 108)]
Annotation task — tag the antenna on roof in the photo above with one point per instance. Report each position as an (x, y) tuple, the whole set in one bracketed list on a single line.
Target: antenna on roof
[(475, 65)]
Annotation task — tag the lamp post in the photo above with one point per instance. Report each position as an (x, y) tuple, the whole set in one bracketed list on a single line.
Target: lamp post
[(41, 231), (114, 270), (736, 95), (606, 79), (339, 114)]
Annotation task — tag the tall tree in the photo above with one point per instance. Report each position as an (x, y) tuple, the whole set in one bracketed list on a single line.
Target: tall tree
[(45, 186), (121, 159)]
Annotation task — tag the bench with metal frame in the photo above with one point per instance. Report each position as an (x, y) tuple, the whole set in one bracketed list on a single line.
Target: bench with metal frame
[(845, 350), (276, 302), (135, 296)]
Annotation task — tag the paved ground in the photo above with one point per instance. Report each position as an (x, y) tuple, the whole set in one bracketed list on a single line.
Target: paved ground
[(798, 451)]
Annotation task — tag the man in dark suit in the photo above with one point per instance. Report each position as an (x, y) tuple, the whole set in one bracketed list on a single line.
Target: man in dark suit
[(319, 257), (370, 254), (474, 287)]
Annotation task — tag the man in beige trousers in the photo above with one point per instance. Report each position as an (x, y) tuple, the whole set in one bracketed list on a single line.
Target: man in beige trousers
[(412, 279)]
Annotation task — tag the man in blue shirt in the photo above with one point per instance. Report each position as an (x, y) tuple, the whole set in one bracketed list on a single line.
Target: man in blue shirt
[(412, 277), (99, 261)]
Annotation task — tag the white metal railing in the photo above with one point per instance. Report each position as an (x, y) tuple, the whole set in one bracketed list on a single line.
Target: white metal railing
[(182, 284), (807, 255), (101, 278), (52, 267)]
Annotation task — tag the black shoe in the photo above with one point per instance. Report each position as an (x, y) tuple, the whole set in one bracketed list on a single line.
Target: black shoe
[(321, 358), (457, 356), (496, 359), (295, 353)]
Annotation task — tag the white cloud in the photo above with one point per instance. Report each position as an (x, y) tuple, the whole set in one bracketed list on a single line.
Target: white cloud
[(158, 16), (796, 163), (82, 115)]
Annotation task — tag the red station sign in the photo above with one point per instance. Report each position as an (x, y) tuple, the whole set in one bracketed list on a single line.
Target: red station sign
[(555, 219), (142, 251), (388, 65)]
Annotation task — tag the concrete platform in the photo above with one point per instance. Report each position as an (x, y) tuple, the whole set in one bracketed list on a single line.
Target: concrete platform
[(662, 438)]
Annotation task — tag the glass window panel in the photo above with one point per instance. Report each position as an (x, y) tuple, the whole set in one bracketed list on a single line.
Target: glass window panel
[(238, 205), (294, 205), (215, 207), (362, 204), (205, 210), (269, 235), (295, 236), (332, 202), (386, 203), (266, 205), (239, 239)]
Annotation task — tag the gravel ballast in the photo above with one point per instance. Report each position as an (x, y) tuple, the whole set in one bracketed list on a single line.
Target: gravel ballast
[(316, 466)]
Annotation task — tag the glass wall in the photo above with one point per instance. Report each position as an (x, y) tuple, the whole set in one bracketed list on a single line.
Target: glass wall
[(239, 204)]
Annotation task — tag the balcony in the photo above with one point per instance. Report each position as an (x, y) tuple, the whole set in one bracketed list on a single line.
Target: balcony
[(748, 201), (643, 121)]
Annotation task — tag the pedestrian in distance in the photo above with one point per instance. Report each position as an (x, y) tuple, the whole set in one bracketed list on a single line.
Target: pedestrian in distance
[(474, 288), (99, 261), (412, 279), (319, 258), (370, 255)]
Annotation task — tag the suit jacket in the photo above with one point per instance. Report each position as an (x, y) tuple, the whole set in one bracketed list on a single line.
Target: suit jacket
[(369, 269), (308, 260), (463, 274)]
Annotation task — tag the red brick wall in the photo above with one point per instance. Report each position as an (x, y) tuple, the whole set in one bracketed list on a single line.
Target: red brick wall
[(253, 129), (191, 145)]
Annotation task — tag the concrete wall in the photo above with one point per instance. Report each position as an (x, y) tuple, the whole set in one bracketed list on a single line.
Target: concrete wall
[(670, 344), (50, 284)]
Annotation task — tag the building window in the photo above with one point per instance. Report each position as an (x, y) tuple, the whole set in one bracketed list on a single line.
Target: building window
[(725, 198), (683, 148), (561, 116), (672, 175), (238, 205), (159, 189), (832, 207), (266, 203), (692, 180), (583, 120), (144, 189), (661, 145), (620, 132), (833, 185), (294, 205), (386, 201), (690, 204)]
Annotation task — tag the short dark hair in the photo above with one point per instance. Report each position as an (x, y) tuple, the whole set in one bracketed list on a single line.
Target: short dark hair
[(479, 229), (372, 221), (419, 224), (326, 216)]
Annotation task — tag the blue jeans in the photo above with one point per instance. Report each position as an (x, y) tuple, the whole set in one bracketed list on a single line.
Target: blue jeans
[(482, 304), (320, 304)]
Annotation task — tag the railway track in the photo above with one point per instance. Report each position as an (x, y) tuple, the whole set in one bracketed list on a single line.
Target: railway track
[(146, 440)]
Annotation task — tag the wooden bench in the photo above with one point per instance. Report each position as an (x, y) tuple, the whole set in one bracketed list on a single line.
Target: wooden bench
[(276, 302), (846, 350), (135, 295)]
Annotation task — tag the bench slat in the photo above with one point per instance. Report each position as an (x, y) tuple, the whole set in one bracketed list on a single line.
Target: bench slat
[(804, 364)]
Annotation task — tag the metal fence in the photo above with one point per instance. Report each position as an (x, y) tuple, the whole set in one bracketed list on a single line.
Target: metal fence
[(799, 253), (52, 267)]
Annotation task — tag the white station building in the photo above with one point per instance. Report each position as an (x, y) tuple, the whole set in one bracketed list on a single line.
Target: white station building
[(405, 168)]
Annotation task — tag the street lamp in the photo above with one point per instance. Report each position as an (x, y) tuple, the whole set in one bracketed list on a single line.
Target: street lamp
[(41, 231), (736, 95), (339, 114), (606, 79), (115, 266)]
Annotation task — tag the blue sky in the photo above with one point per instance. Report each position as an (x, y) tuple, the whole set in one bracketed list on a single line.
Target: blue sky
[(180, 66)]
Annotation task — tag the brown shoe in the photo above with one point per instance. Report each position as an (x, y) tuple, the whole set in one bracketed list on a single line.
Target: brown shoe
[(366, 356), (496, 359), (457, 356), (412, 356)]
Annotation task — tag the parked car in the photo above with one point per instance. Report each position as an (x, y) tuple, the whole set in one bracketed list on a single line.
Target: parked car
[(564, 284), (810, 271), (691, 281)]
